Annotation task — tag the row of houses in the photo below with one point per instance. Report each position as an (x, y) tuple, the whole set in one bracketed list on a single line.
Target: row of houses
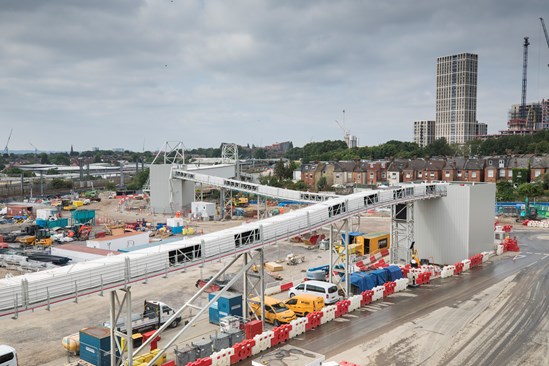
[(391, 172)]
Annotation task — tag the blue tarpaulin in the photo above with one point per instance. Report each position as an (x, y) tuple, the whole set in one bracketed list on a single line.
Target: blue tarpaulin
[(361, 281), (393, 272), (381, 276)]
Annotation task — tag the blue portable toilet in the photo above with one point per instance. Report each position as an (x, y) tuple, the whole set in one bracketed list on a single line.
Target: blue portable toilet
[(228, 304)]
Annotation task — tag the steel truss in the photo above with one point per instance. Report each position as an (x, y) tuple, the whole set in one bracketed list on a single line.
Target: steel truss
[(402, 232), (339, 260), (192, 303)]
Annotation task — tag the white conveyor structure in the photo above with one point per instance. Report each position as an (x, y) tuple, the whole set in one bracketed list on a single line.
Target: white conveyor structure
[(40, 289)]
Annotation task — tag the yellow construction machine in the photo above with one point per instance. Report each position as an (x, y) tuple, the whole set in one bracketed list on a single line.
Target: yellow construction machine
[(414, 262)]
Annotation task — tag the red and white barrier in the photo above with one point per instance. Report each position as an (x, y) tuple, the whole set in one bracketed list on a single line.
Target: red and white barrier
[(466, 264), (279, 288), (401, 284), (329, 314), (378, 293), (262, 341), (447, 271), (222, 357), (355, 302), (299, 326), (499, 249)]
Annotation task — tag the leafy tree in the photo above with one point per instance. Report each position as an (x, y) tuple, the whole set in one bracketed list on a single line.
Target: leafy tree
[(260, 154), (439, 148), (52, 171), (59, 183), (16, 172), (44, 159), (505, 191), (322, 184), (139, 180)]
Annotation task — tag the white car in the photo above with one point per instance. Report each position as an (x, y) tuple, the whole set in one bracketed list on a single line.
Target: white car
[(8, 356), (327, 290)]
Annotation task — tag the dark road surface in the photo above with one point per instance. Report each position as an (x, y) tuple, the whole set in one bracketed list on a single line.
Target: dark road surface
[(516, 330)]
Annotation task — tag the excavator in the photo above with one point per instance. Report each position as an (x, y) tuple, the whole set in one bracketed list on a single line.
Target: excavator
[(529, 212)]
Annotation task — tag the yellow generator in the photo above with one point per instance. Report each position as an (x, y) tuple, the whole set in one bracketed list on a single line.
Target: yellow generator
[(374, 242)]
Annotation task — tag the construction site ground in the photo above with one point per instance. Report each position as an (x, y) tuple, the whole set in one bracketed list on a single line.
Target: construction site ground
[(399, 337)]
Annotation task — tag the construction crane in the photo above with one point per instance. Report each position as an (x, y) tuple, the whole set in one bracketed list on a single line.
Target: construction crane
[(347, 133), (545, 31), (35, 149), (6, 151), (524, 78)]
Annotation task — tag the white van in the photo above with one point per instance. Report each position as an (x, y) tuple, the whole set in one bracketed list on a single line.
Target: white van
[(325, 289), (8, 356)]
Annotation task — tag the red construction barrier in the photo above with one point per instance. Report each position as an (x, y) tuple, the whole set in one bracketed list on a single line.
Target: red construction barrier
[(345, 363), (242, 350), (459, 268), (169, 363), (313, 320), (384, 252), (253, 328), (366, 297), (510, 245), (476, 260), (281, 334), (389, 288), (206, 361), (342, 308), (372, 258), (426, 277), (286, 286), (405, 269)]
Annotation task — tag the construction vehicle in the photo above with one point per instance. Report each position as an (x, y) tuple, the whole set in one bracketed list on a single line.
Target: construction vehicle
[(80, 232), (155, 314), (34, 235), (240, 201), (529, 212)]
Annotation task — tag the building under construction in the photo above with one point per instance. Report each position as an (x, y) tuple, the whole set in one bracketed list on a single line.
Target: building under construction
[(528, 119)]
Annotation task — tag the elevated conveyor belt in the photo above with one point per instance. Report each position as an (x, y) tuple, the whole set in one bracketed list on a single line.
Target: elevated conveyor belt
[(253, 188), (39, 289)]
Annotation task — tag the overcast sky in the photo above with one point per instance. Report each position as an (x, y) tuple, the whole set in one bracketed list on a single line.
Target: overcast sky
[(128, 73)]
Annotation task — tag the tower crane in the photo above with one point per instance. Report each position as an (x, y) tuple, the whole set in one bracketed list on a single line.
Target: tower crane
[(6, 151), (545, 31), (524, 78), (347, 133), (35, 149)]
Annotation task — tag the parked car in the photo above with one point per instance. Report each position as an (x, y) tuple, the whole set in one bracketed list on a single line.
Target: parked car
[(325, 289), (276, 312), (8, 356), (304, 304)]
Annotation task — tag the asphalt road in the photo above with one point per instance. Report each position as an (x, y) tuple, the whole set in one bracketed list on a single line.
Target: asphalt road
[(517, 330)]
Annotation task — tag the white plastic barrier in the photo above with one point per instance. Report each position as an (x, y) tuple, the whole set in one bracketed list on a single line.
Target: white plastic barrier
[(447, 271), (262, 341), (222, 357), (355, 302), (499, 249), (330, 363), (429, 268), (466, 264), (298, 326), (486, 256), (401, 284), (413, 273), (328, 314), (378, 293)]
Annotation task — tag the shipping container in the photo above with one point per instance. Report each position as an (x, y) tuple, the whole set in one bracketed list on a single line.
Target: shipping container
[(95, 346), (374, 242)]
